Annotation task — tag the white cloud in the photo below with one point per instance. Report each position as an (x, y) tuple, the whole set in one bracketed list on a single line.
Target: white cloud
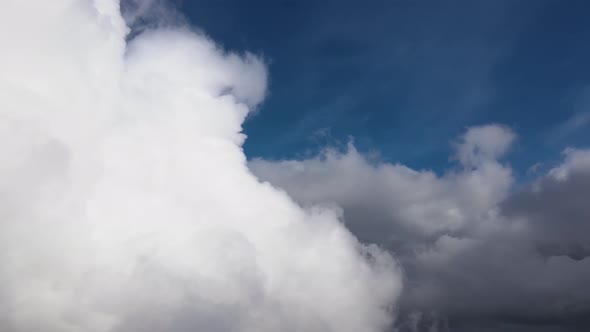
[(127, 204)]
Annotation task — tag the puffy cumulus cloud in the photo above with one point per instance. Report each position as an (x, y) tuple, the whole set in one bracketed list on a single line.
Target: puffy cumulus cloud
[(483, 144), (387, 203), (556, 206), (480, 254), (576, 162), (126, 201)]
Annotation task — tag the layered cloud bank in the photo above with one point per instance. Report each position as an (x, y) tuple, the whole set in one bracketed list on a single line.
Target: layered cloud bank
[(480, 254), (125, 200)]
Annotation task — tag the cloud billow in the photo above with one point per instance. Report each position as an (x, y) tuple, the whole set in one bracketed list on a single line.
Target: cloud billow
[(127, 203)]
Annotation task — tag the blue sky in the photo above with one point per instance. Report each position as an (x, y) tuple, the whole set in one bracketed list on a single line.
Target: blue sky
[(406, 77)]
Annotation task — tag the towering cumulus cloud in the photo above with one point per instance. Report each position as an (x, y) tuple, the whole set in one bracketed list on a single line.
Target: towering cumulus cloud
[(125, 199)]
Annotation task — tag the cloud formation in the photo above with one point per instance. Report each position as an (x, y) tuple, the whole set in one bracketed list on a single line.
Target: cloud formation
[(126, 201), (479, 253)]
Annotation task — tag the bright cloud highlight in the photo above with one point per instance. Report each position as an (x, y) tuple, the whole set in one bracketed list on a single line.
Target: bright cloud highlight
[(127, 204)]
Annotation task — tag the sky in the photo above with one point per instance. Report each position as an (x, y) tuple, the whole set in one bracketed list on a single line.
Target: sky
[(304, 166), (405, 77)]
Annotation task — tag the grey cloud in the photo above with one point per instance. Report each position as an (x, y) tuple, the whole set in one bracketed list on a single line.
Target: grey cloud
[(478, 256), (388, 203), (558, 214)]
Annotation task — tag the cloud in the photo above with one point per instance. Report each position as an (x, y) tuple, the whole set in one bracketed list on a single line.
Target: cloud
[(479, 253), (126, 201), (557, 209), (392, 201), (483, 144)]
